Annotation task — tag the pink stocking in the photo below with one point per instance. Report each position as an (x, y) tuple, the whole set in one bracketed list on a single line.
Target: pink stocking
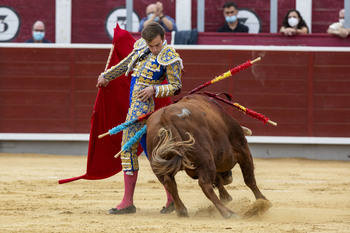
[(169, 198), (129, 188)]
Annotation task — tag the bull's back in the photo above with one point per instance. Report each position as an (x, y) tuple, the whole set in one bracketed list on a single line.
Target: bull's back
[(215, 132), (183, 116), (196, 114)]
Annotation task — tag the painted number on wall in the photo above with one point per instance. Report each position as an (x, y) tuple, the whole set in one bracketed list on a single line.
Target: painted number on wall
[(9, 24), (118, 15), (249, 18)]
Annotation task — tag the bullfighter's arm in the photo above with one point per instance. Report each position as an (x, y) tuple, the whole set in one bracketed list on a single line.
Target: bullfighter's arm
[(174, 82), (173, 63), (119, 69)]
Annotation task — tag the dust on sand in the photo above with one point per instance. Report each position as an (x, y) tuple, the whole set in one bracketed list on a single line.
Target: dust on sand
[(306, 196)]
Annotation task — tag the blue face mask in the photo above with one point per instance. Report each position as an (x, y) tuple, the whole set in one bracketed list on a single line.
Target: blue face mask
[(155, 19), (38, 36), (231, 19)]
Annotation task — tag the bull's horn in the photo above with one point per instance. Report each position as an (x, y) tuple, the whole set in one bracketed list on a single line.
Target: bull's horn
[(247, 131)]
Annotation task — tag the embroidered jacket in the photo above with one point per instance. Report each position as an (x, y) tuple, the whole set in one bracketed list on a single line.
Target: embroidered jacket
[(149, 69)]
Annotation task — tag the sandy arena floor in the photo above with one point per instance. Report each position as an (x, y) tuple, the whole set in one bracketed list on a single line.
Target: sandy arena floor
[(307, 196)]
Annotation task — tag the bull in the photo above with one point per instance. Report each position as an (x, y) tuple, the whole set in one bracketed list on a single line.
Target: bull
[(198, 136)]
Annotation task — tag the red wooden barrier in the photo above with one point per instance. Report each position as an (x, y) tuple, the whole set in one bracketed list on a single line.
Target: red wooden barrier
[(52, 90)]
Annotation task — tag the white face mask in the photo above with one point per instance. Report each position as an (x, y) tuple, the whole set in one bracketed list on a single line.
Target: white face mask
[(341, 21), (38, 36), (292, 21)]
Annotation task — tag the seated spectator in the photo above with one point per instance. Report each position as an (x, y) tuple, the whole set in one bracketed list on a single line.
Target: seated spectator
[(231, 22), (155, 13), (337, 28), (38, 33), (293, 24)]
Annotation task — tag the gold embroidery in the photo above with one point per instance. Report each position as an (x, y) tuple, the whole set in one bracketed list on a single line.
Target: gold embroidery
[(168, 56), (153, 67), (147, 73), (139, 44)]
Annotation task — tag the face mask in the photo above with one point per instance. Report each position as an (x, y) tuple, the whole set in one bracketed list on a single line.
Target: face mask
[(231, 19), (341, 21), (151, 15), (293, 21), (38, 36)]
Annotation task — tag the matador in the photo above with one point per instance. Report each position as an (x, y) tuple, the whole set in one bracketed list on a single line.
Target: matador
[(151, 62)]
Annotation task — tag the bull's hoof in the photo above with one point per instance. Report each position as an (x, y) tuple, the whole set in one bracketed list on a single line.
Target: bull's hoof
[(182, 214), (231, 215), (259, 207), (128, 210), (235, 216), (169, 209)]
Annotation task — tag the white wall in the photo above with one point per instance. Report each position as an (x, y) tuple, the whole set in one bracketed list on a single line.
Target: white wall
[(305, 9), (63, 21), (183, 14)]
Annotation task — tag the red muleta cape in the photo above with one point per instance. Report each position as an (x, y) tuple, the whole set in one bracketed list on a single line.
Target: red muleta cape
[(110, 110)]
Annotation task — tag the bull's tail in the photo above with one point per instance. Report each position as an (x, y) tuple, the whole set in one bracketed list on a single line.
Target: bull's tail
[(170, 155)]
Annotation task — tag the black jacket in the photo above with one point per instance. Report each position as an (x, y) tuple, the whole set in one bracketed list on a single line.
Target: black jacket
[(31, 40), (240, 28)]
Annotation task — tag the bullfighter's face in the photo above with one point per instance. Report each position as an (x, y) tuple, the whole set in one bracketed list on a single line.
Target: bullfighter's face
[(155, 45)]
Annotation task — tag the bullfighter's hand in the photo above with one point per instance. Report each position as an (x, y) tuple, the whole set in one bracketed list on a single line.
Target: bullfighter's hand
[(146, 93), (101, 82)]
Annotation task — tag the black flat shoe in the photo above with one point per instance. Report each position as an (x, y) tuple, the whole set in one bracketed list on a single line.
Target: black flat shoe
[(169, 209), (128, 210)]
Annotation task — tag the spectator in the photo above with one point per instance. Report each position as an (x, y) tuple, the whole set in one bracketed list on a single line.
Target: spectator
[(155, 13), (337, 28), (293, 24), (38, 33), (232, 24)]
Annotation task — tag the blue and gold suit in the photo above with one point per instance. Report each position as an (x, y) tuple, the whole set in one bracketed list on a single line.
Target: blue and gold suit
[(148, 70)]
